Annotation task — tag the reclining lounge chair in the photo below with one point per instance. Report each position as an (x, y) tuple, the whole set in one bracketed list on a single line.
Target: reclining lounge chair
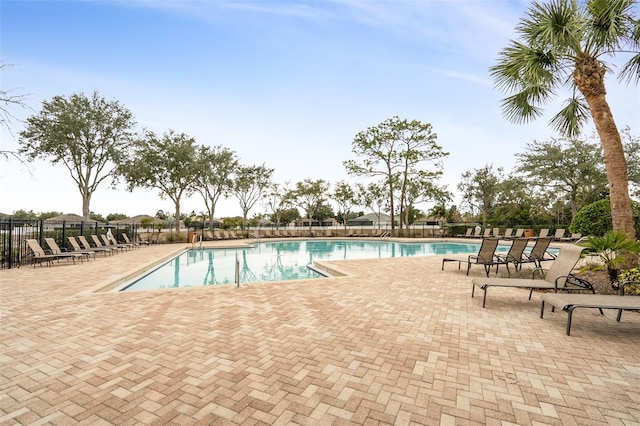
[(98, 243), (467, 234), (519, 233), (558, 277), (574, 237), (98, 247), (485, 257), (55, 249), (515, 253), (477, 232), (559, 234), (39, 255), (539, 253), (136, 244), (110, 241), (76, 247), (571, 302)]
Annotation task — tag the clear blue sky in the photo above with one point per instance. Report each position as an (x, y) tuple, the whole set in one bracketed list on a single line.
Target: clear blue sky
[(287, 84)]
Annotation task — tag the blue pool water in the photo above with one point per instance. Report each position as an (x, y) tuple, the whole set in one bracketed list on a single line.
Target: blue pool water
[(280, 260)]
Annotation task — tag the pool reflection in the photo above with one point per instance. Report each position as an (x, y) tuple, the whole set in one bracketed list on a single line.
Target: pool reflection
[(279, 261)]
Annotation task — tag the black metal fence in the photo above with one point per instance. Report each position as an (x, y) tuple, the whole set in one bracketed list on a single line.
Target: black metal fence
[(14, 233)]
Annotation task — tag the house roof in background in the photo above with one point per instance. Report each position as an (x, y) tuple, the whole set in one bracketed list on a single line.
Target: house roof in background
[(136, 219), (70, 217), (374, 217)]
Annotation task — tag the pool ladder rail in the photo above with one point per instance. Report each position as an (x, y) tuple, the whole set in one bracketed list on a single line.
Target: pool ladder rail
[(195, 239)]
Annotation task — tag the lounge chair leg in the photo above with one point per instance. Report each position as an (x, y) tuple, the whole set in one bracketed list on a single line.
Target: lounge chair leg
[(593, 290), (530, 294), (484, 297), (619, 316), (542, 310), (473, 289), (569, 312)]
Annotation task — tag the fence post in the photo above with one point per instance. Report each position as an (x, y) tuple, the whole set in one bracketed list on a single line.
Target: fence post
[(10, 254), (41, 237), (64, 233)]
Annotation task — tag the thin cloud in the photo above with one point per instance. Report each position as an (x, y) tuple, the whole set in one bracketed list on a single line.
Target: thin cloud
[(472, 78), (216, 11)]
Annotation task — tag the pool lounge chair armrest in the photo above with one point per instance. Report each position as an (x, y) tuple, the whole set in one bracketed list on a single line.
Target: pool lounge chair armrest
[(541, 271), (571, 279), (479, 259), (624, 283), (579, 282)]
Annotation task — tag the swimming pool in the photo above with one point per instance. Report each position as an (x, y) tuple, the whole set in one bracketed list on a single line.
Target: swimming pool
[(280, 261)]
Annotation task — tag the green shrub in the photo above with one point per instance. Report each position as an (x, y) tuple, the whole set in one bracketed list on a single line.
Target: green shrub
[(615, 250), (595, 219), (632, 274)]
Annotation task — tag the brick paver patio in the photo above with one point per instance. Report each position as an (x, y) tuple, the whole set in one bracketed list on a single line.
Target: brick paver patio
[(397, 341)]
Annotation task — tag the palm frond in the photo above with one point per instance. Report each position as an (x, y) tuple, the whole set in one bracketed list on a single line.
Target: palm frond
[(519, 109), (551, 38), (556, 23), (610, 22), (634, 36), (630, 72), (520, 65), (570, 119)]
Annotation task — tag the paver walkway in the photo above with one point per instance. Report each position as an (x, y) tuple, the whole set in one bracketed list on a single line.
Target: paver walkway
[(398, 341)]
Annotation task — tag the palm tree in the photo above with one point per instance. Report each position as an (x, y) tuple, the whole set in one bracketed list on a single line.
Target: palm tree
[(565, 43)]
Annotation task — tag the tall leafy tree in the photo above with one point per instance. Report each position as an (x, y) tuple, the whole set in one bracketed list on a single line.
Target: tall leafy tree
[(278, 200), (631, 143), (373, 196), (397, 151), (249, 186), (310, 195), (166, 163), (480, 189), (89, 136), (323, 212), (115, 216), (571, 167), (288, 215), (345, 196), (444, 213), (216, 166), (418, 191), (21, 214), (565, 43), (10, 100), (517, 202)]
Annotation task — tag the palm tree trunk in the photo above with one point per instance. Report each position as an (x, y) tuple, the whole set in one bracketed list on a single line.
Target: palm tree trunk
[(615, 164), (589, 77)]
